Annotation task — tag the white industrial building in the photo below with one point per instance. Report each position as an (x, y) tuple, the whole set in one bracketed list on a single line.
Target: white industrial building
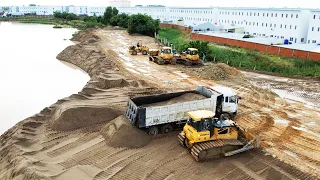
[(284, 23), (120, 3), (299, 26), (314, 28)]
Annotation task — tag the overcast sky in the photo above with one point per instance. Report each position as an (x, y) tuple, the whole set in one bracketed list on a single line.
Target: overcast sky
[(189, 3)]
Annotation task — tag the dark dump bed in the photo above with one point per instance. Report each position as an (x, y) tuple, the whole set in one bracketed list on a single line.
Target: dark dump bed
[(145, 100)]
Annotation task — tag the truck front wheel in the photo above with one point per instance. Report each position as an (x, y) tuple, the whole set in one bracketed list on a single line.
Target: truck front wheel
[(153, 130)]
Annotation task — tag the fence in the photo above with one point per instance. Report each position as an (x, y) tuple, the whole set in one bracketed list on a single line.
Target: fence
[(275, 50)]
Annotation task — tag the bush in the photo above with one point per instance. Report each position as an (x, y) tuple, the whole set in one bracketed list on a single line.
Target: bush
[(143, 24)]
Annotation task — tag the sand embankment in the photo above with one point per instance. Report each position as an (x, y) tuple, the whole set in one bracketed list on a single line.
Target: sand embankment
[(83, 136)]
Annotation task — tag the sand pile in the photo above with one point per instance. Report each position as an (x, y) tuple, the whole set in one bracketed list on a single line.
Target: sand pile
[(180, 99), (109, 81), (85, 36), (218, 71), (66, 119), (120, 133)]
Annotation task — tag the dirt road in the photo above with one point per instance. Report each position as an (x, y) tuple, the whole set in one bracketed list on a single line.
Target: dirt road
[(64, 140)]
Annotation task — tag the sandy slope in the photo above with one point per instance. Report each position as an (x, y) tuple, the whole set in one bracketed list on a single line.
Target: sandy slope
[(69, 140)]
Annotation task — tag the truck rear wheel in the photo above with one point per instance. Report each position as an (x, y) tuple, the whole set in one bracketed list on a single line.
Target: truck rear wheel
[(153, 130), (167, 128), (144, 52)]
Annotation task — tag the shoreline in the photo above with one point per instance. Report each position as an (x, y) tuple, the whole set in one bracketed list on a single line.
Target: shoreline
[(53, 132)]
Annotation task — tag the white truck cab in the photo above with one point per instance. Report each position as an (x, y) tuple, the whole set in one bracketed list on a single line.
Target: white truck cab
[(227, 101)]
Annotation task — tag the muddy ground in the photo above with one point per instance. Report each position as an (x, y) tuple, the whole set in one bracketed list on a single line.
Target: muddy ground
[(82, 136)]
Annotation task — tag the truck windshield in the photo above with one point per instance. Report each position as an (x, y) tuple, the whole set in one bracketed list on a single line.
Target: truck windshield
[(232, 99)]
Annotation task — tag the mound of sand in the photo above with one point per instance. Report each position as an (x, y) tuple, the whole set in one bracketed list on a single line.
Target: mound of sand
[(85, 36), (67, 119), (179, 99), (120, 133), (219, 71)]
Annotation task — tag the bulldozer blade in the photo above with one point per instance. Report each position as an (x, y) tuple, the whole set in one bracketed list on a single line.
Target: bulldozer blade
[(246, 148)]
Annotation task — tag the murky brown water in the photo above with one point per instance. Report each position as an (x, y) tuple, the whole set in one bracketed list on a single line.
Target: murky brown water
[(31, 76)]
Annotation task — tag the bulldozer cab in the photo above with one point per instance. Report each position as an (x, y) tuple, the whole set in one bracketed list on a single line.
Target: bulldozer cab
[(192, 51), (166, 50), (202, 126)]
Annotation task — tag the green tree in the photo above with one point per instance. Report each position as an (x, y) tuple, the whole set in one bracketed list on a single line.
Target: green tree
[(57, 14), (114, 20), (143, 24), (107, 16), (120, 20), (64, 15), (90, 19), (71, 17), (115, 11)]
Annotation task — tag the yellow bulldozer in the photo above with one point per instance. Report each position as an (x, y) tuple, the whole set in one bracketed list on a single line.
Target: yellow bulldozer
[(189, 57), (206, 137), (134, 50), (164, 56)]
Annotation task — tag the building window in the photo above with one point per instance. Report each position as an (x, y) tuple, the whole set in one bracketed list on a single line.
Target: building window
[(302, 39), (274, 25), (291, 38), (282, 15), (257, 24), (251, 14), (276, 15), (290, 26), (263, 15), (291, 15), (267, 14), (314, 41), (258, 14), (318, 29), (254, 14), (312, 29), (262, 24), (295, 27), (308, 41), (286, 15), (314, 17), (280, 25), (285, 26)]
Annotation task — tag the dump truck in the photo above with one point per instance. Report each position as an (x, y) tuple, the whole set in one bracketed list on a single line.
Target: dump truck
[(163, 113), (134, 50), (189, 57), (207, 137), (164, 56)]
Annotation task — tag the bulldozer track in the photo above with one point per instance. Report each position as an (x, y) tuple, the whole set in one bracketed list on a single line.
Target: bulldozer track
[(201, 147)]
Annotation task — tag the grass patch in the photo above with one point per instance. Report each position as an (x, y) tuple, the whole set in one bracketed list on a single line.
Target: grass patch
[(245, 58)]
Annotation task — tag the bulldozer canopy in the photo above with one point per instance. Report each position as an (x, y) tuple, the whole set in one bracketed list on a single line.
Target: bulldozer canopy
[(200, 114)]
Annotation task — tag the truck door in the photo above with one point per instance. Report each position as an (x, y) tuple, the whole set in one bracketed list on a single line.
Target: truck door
[(230, 104)]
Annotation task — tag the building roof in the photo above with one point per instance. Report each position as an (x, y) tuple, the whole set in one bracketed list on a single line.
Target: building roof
[(200, 114)]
